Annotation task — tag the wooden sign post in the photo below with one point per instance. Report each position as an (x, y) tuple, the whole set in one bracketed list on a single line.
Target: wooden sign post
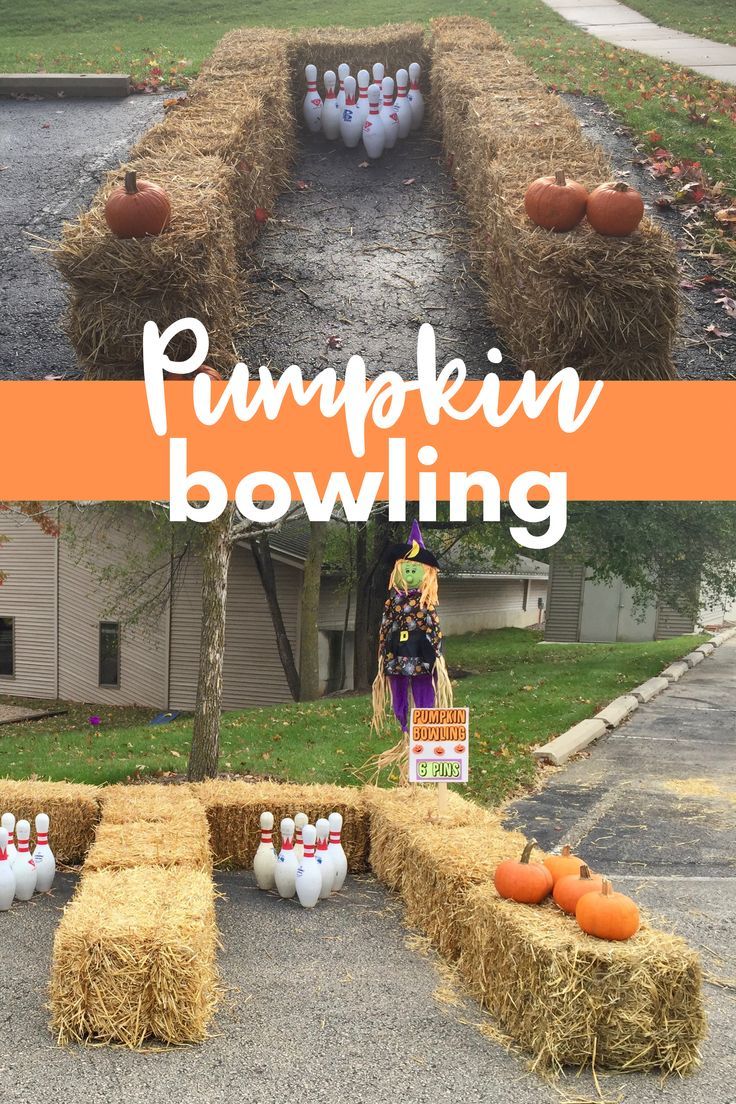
[(438, 749)]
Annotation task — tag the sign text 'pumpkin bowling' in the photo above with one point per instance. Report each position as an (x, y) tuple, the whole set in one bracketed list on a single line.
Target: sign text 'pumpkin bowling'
[(438, 745)]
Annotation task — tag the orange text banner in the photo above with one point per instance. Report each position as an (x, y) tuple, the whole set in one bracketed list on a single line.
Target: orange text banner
[(642, 440)]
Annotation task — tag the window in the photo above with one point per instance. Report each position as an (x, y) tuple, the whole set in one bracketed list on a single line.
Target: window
[(109, 653), (7, 646)]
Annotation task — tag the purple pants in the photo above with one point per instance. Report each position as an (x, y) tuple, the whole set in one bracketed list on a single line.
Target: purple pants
[(422, 692)]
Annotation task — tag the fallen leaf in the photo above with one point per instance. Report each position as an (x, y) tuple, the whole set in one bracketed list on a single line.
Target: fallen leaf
[(364, 165), (334, 342), (411, 180), (302, 185), (728, 304), (176, 754), (713, 329)]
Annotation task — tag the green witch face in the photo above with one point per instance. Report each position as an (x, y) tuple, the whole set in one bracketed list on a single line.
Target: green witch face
[(411, 574)]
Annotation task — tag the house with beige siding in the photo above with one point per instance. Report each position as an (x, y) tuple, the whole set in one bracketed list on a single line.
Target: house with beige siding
[(62, 638)]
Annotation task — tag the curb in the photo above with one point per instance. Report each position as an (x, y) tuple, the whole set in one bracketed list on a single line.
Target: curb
[(575, 739), (86, 85)]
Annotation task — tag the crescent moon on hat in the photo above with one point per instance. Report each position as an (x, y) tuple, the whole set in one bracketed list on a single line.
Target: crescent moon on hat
[(415, 550)]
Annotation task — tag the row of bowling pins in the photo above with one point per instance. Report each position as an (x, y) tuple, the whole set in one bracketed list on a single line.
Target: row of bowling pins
[(21, 873), (311, 863), (375, 115)]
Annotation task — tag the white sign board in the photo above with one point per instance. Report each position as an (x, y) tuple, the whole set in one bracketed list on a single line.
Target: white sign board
[(438, 745)]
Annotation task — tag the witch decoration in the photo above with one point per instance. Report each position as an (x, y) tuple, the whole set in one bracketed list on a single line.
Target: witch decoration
[(411, 666)]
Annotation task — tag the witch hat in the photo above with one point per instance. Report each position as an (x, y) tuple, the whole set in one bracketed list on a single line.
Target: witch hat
[(414, 549)]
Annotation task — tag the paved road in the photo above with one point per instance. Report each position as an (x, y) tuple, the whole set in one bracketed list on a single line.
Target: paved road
[(655, 807), (54, 154), (621, 25)]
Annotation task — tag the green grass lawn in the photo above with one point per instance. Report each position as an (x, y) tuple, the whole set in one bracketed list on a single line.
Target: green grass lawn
[(520, 693), (173, 36), (707, 19)]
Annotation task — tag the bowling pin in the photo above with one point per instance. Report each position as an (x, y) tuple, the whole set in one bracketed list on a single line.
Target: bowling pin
[(362, 106), (389, 114), (43, 856), (379, 71), (300, 821), (402, 105), (312, 106), (330, 108), (308, 875), (264, 860), (416, 99), (343, 71), (337, 851), (7, 877), (324, 858), (374, 136), (351, 126), (24, 867), (287, 862), (8, 822)]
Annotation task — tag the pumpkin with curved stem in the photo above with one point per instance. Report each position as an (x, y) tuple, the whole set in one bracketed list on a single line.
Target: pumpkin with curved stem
[(521, 880), (555, 202), (608, 915), (563, 864), (615, 209), (570, 888), (137, 208)]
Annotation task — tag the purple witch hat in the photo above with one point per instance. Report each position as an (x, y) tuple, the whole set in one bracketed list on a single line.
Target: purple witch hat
[(414, 549)]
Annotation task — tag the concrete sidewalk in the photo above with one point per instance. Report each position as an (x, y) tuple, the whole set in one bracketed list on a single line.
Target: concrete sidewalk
[(622, 26)]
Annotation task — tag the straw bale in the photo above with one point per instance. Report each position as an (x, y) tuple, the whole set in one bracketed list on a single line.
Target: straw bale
[(134, 959), (606, 306), (181, 840), (73, 811), (399, 816), (189, 270), (233, 810), (149, 802), (394, 44), (570, 998)]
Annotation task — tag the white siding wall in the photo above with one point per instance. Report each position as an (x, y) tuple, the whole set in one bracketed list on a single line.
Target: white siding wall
[(29, 596), (83, 603), (253, 673)]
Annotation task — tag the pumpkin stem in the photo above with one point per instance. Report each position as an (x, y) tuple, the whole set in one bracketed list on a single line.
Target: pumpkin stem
[(584, 871), (527, 851), (560, 178), (621, 186), (566, 850), (131, 186), (607, 888)]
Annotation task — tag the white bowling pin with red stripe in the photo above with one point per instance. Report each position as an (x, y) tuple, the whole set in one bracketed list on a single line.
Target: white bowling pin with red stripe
[(312, 106), (264, 860), (330, 108), (337, 850), (362, 105), (402, 105), (416, 99), (24, 867), (301, 820), (374, 136), (343, 71), (324, 858), (7, 877), (8, 822), (308, 875), (43, 856), (287, 862), (351, 126), (389, 114), (379, 72)]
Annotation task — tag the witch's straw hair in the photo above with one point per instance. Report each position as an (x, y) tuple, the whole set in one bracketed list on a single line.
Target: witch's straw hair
[(428, 590)]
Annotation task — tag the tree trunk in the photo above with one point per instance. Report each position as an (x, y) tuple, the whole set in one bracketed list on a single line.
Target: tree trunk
[(362, 587), (308, 627), (261, 550), (216, 550), (380, 573)]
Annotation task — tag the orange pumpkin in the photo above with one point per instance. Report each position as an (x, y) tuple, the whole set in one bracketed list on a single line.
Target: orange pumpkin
[(137, 208), (569, 889), (555, 202), (608, 915), (615, 209), (521, 880), (563, 864)]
